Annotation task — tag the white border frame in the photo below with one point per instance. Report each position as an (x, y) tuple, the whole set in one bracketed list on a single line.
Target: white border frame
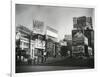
[(31, 74)]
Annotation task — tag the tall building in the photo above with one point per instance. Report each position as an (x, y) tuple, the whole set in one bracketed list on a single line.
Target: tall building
[(51, 40), (83, 35), (68, 39), (22, 41), (30, 43)]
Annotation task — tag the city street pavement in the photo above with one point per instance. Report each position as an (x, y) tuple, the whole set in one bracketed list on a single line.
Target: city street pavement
[(57, 64), (22, 69)]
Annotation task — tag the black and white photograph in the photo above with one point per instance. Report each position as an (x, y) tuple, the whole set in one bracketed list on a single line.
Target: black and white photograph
[(53, 38)]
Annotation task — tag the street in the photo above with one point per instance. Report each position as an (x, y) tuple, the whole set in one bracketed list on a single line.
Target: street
[(23, 69), (65, 64)]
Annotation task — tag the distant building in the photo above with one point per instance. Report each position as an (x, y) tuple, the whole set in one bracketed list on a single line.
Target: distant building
[(51, 39), (68, 37), (63, 42), (67, 43)]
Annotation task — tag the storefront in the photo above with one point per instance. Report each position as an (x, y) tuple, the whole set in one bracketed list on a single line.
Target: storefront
[(39, 48)]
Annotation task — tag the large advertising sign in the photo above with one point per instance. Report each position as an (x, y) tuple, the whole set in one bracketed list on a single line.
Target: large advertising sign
[(82, 22), (38, 27), (77, 37), (78, 49), (51, 32), (40, 44), (18, 35)]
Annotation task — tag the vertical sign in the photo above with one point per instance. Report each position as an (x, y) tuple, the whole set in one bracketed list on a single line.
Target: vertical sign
[(38, 26)]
